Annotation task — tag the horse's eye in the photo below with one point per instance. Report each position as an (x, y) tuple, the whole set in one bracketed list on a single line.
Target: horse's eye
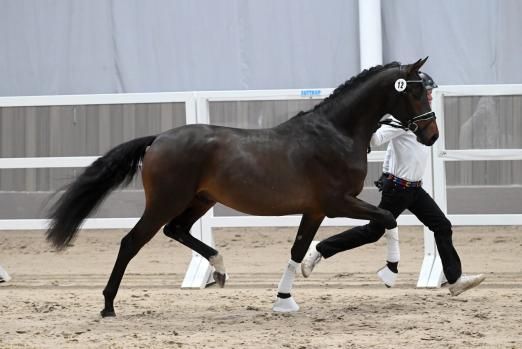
[(417, 92)]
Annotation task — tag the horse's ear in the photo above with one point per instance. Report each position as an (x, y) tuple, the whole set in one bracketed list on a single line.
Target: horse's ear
[(417, 65)]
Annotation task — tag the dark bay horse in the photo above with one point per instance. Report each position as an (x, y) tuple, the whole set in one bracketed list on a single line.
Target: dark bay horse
[(314, 164)]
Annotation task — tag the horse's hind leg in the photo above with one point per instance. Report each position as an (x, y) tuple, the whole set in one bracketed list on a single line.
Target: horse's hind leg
[(143, 231), (179, 230)]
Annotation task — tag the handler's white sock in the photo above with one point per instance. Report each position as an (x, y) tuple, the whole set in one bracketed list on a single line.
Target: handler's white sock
[(285, 285)]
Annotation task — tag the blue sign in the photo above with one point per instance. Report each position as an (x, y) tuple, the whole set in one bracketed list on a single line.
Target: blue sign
[(310, 92)]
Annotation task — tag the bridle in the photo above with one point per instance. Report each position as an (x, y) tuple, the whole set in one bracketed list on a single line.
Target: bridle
[(412, 123)]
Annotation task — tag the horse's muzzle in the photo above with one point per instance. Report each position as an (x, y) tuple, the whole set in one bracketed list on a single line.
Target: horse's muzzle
[(428, 142)]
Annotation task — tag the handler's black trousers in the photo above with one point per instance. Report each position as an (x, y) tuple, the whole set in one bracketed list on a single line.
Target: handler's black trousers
[(397, 199)]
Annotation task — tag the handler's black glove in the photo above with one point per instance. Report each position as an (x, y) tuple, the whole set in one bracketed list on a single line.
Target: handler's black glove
[(378, 126), (380, 182)]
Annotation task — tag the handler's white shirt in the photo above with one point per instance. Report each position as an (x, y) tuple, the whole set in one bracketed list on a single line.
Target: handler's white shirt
[(405, 157)]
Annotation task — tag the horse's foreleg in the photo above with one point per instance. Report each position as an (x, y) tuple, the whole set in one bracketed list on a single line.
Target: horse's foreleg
[(179, 230), (352, 207), (305, 234), (142, 232)]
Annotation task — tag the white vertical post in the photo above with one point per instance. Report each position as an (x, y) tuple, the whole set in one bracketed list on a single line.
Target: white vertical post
[(370, 33), (439, 183), (431, 270), (191, 110), (199, 271)]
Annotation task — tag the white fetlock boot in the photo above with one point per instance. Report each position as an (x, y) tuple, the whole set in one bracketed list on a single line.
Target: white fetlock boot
[(285, 303)]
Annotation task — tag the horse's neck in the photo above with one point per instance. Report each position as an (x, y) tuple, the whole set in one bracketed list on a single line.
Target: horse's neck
[(358, 117)]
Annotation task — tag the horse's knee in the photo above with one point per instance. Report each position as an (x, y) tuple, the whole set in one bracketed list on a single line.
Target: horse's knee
[(388, 220), (375, 233), (169, 230), (298, 252)]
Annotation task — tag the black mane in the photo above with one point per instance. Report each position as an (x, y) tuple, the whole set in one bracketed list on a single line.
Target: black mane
[(356, 81)]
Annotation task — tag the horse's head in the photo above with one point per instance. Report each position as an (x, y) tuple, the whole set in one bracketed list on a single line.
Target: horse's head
[(411, 106)]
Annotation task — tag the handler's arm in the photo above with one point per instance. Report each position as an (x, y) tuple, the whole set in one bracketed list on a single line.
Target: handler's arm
[(384, 134)]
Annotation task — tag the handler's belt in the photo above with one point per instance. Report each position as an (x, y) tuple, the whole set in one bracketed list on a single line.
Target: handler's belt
[(402, 182)]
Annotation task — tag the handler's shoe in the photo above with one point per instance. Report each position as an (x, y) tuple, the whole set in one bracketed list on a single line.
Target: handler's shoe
[(387, 276), (465, 282), (312, 258)]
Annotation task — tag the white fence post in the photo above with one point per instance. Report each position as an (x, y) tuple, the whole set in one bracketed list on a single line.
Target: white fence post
[(430, 274), (370, 33), (199, 271)]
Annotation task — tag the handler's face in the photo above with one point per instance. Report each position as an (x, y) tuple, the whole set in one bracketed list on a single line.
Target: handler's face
[(428, 93)]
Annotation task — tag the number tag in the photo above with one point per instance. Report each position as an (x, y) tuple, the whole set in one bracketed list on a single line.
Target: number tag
[(400, 85)]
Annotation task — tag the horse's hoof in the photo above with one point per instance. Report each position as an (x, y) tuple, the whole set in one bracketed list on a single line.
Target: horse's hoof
[(285, 305), (107, 313), (220, 279)]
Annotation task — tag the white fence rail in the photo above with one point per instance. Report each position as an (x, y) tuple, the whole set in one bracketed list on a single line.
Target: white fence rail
[(83, 161)]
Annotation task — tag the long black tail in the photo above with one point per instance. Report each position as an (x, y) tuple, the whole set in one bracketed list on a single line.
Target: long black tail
[(84, 195)]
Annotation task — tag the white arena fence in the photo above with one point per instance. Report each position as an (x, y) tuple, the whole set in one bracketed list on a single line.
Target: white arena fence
[(265, 108)]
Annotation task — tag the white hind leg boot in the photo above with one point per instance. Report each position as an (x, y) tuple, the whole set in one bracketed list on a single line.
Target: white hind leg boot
[(219, 274), (392, 238), (393, 255), (218, 264)]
